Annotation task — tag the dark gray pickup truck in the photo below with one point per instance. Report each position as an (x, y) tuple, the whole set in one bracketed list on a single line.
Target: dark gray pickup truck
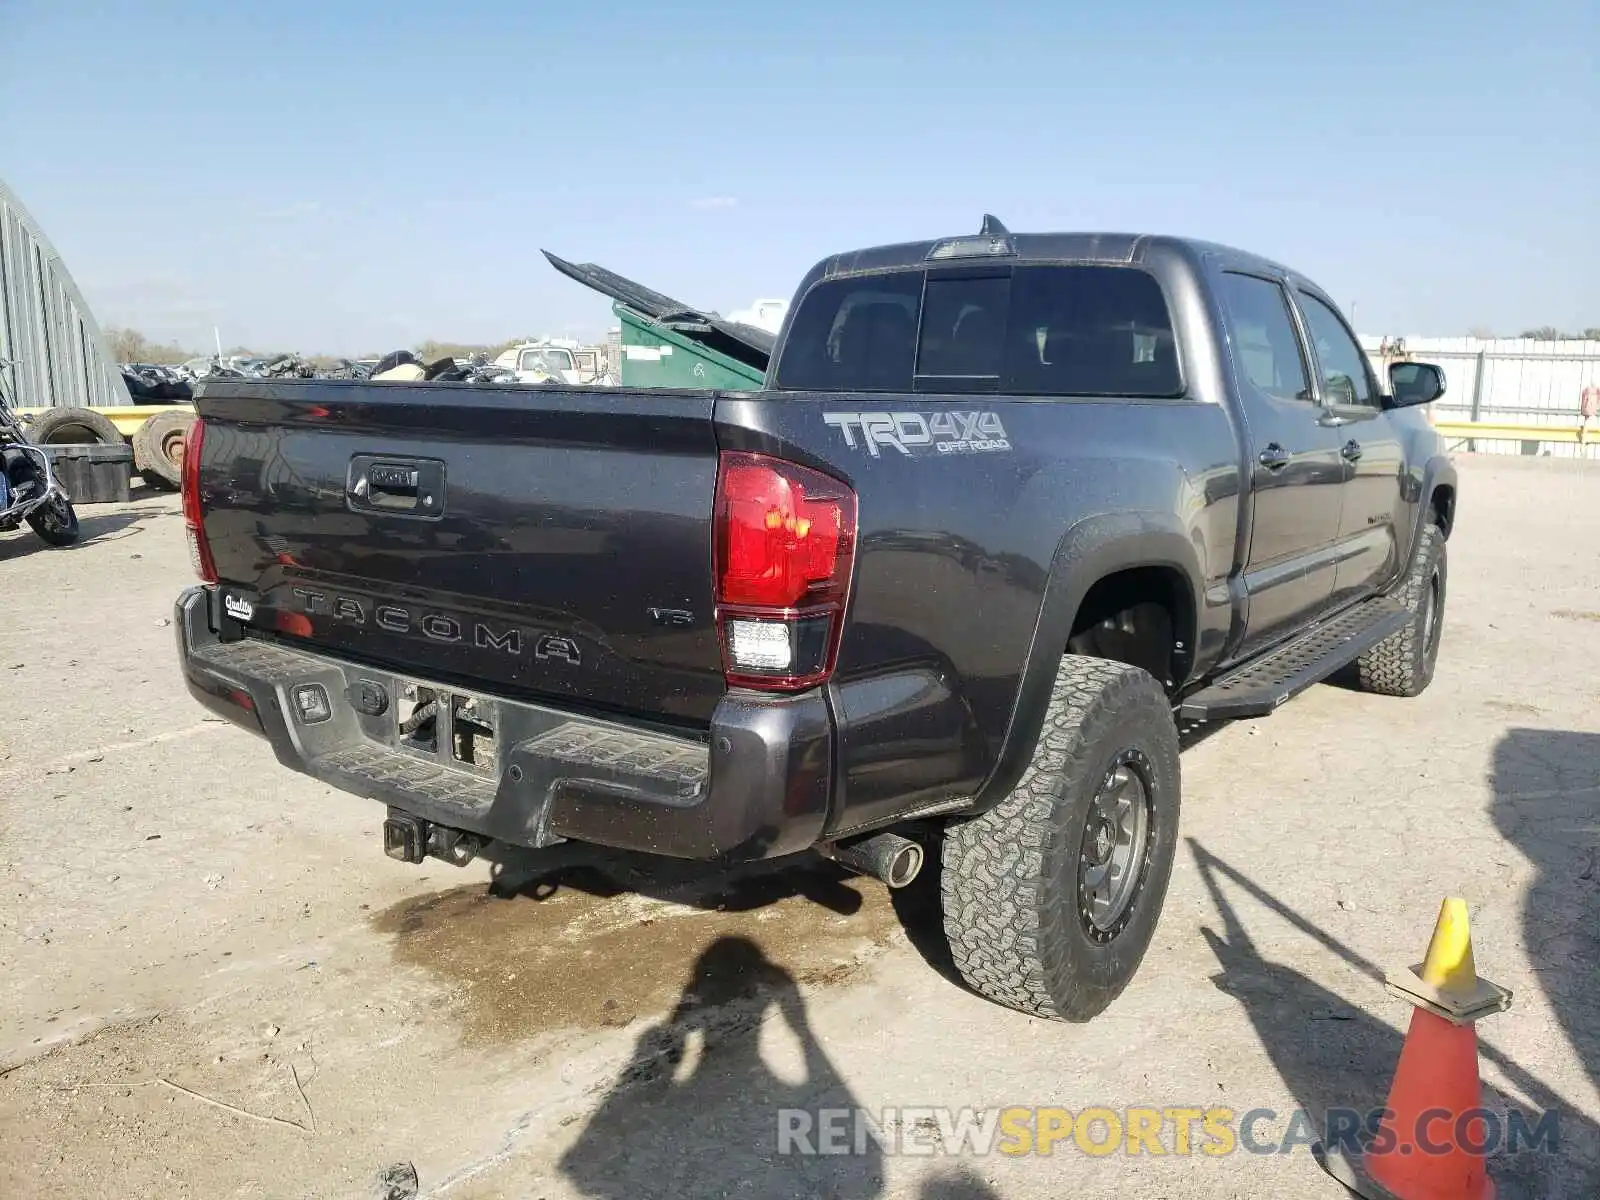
[(1009, 513)]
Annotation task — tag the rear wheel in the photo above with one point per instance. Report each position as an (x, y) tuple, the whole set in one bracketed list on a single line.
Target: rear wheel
[(1051, 897), (56, 521), (1402, 664)]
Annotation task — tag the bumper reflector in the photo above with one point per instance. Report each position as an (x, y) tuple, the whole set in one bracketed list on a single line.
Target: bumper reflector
[(311, 703)]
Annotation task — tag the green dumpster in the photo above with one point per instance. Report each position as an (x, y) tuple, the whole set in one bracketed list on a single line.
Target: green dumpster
[(669, 355)]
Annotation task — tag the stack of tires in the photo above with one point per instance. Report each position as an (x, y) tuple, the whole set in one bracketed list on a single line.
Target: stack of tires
[(157, 445)]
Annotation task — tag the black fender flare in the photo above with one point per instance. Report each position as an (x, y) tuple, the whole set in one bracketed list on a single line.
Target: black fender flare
[(1088, 552), (1437, 472)]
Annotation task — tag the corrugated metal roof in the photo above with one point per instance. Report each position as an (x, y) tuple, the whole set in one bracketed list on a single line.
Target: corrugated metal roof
[(45, 325)]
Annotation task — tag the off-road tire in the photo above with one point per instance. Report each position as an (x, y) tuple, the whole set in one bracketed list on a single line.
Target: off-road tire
[(1402, 664), (56, 522), (73, 426), (157, 447), (1010, 877)]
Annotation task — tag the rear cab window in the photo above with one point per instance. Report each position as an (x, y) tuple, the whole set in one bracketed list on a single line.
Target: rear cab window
[(1043, 330)]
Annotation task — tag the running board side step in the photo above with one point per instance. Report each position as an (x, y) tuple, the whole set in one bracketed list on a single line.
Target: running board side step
[(1262, 684)]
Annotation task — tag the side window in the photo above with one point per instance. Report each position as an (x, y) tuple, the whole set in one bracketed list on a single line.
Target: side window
[(1343, 363), (1264, 338), (854, 335)]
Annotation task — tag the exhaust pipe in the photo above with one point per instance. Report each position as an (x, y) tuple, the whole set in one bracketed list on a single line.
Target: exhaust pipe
[(886, 857)]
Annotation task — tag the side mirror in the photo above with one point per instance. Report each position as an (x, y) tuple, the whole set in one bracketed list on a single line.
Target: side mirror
[(1413, 383)]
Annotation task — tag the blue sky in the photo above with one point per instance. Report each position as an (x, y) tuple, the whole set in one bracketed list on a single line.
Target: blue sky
[(354, 176)]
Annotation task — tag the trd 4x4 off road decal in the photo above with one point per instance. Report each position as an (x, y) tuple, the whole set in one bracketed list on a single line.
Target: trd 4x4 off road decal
[(916, 434)]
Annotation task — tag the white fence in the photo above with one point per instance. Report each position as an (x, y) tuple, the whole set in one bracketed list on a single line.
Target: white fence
[(1510, 381)]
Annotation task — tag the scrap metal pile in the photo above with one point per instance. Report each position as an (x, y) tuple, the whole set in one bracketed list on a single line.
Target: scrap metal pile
[(149, 383), (404, 365)]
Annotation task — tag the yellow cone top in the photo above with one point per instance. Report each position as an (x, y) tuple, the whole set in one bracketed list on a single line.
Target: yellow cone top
[(1449, 966)]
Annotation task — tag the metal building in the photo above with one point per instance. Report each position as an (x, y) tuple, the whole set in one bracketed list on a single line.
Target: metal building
[(45, 326)]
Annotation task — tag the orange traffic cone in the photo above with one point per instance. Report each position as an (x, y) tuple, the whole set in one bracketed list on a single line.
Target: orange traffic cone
[(1431, 1143)]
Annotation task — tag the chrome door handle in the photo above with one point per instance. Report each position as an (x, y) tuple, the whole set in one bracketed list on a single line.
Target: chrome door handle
[(1274, 457)]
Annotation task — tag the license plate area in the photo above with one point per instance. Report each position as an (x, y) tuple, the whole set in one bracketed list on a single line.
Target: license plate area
[(455, 729)]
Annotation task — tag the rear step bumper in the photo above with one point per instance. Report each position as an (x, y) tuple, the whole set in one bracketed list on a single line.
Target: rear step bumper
[(756, 788)]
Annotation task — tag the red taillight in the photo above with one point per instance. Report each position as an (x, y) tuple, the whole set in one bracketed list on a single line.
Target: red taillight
[(193, 511), (785, 542)]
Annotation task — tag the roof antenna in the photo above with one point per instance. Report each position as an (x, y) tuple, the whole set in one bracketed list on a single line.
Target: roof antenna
[(992, 227)]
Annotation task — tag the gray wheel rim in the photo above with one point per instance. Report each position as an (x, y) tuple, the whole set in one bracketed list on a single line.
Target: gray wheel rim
[(1112, 859)]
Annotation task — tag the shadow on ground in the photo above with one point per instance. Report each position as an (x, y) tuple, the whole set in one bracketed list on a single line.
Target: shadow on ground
[(108, 527), (958, 1185), (698, 1109), (601, 873), (1332, 1055), (1547, 805), (587, 937), (919, 907)]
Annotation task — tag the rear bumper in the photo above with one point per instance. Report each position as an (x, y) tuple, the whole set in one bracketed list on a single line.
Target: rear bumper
[(757, 787)]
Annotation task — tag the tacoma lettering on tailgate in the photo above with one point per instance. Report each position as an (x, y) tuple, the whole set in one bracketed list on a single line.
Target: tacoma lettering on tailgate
[(438, 626)]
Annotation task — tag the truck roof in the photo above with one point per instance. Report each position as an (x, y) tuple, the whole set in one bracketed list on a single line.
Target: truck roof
[(1090, 247)]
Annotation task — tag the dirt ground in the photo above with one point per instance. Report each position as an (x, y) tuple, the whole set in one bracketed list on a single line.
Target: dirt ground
[(215, 985)]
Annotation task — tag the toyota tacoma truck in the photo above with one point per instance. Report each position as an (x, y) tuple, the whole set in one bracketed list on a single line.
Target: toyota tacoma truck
[(1010, 513)]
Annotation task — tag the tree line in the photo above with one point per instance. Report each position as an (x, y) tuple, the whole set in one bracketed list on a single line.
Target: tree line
[(1549, 333)]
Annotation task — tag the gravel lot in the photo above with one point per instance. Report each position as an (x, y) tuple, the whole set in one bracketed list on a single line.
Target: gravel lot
[(216, 985)]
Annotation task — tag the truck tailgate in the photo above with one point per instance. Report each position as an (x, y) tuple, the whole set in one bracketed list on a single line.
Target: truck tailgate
[(538, 540)]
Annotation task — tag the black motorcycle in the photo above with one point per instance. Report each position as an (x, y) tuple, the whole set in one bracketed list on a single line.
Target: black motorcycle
[(28, 488)]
